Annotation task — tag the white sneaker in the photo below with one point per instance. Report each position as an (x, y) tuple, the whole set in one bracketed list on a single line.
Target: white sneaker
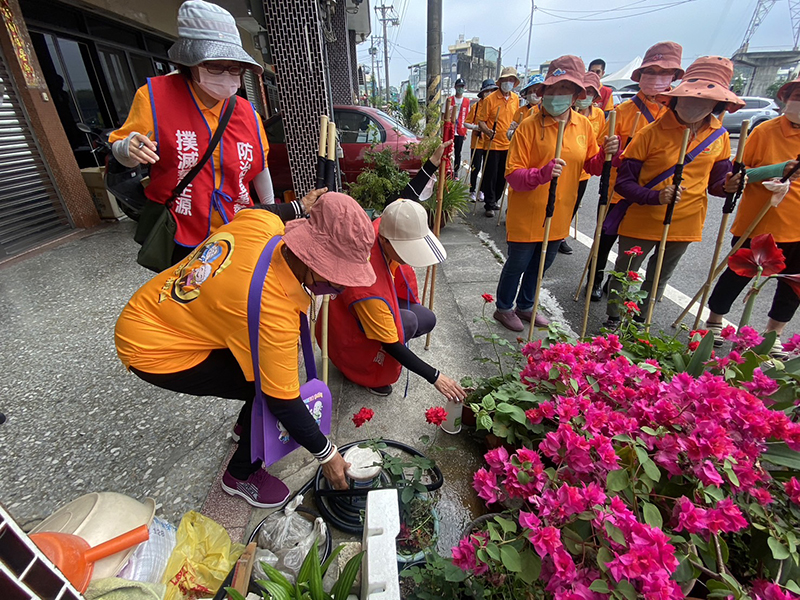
[(480, 197), (472, 196)]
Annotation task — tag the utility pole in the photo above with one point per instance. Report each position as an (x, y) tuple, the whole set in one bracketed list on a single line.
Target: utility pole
[(372, 51), (530, 31), (386, 21), (434, 62)]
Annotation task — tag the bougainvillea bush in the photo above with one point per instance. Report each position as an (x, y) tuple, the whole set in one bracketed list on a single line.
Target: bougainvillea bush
[(641, 483)]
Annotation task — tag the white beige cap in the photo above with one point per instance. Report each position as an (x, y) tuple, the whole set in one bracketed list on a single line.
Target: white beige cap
[(405, 224)]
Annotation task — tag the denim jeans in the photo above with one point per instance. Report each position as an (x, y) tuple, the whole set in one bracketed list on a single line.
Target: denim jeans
[(523, 261)]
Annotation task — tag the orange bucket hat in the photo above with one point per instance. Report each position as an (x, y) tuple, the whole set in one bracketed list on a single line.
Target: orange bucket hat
[(335, 241), (786, 89), (564, 68), (666, 55), (591, 81), (708, 77)]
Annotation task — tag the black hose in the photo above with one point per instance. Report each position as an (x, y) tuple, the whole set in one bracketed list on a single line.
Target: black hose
[(346, 516)]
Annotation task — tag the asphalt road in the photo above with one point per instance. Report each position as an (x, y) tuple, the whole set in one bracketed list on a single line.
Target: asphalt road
[(562, 278)]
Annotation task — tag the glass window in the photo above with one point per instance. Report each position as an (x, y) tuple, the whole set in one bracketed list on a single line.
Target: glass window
[(397, 125), (753, 103), (119, 79), (273, 127), (142, 69), (357, 128), (75, 57), (113, 32)]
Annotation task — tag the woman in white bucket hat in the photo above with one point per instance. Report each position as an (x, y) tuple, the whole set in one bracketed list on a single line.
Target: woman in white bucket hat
[(173, 118)]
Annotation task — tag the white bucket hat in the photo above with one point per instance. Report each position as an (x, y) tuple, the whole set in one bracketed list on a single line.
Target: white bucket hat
[(208, 32), (405, 224)]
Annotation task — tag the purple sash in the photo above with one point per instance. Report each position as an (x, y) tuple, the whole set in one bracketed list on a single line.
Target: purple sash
[(690, 156), (269, 440), (643, 109)]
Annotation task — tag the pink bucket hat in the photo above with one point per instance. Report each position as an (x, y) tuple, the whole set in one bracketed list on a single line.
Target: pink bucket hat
[(666, 55), (336, 241), (708, 77), (591, 81), (564, 68), (787, 89)]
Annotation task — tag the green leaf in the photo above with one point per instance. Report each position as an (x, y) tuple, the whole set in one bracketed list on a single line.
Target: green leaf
[(277, 576), (617, 480), (652, 470), (507, 525), (615, 533), (531, 566), (604, 556), (234, 594), (341, 588), (276, 591), (652, 516), (680, 364), (510, 559), (304, 574), (599, 586), (779, 551), (488, 402), (627, 590), (315, 577), (485, 422), (766, 345), (493, 550), (783, 456), (328, 561), (453, 573), (714, 493)]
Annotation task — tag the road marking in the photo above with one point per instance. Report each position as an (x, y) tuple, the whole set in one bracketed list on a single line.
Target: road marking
[(677, 296)]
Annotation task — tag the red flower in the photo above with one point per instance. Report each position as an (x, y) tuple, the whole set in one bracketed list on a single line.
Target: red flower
[(633, 308), (645, 342), (693, 346), (436, 415), (488, 298), (793, 281), (635, 251), (763, 252), (634, 276), (701, 332), (362, 416)]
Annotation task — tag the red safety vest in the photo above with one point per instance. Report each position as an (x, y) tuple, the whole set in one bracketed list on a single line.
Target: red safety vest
[(360, 359), (183, 135), (461, 119)]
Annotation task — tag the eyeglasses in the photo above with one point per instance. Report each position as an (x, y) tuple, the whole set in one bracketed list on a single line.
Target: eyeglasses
[(217, 69)]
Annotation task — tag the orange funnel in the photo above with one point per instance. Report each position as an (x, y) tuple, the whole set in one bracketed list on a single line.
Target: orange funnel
[(75, 559)]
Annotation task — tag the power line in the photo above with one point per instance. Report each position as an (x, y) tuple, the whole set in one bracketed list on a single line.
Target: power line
[(562, 19)]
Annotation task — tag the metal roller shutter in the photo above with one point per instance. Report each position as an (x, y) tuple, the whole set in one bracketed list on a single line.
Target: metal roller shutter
[(31, 211)]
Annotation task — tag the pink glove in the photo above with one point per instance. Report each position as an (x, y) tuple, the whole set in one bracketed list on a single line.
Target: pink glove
[(526, 180)]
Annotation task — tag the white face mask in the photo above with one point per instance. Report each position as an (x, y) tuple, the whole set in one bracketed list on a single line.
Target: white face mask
[(533, 99), (792, 111), (220, 87), (694, 110), (507, 86), (654, 84)]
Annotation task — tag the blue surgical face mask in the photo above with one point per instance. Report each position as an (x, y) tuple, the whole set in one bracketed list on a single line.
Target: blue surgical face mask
[(507, 86), (459, 91), (557, 105), (585, 103)]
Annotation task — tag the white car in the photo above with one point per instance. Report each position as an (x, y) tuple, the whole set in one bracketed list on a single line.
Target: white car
[(758, 110)]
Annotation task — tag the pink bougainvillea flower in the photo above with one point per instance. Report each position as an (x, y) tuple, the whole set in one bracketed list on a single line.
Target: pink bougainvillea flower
[(766, 590), (728, 333), (792, 488), (762, 496), (545, 540), (485, 483), (497, 459), (488, 298), (763, 253), (529, 520), (793, 344)]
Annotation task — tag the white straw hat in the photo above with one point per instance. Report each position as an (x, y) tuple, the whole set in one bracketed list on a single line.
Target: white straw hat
[(208, 32), (405, 224)]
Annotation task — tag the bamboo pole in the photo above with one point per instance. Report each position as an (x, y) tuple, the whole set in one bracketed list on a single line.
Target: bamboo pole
[(677, 178), (518, 120), (479, 183), (736, 247), (326, 299), (611, 193), (727, 209), (551, 206), (601, 215), (321, 154)]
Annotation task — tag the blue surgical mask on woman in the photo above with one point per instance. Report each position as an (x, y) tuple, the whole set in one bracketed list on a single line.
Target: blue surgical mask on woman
[(585, 103), (557, 105)]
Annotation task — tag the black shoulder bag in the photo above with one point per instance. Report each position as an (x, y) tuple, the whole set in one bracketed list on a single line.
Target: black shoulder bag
[(156, 229)]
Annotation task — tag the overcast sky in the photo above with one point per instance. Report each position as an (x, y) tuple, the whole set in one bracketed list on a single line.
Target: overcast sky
[(702, 27)]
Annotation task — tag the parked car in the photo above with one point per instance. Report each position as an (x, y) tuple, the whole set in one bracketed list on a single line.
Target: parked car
[(622, 95), (359, 128), (758, 110)]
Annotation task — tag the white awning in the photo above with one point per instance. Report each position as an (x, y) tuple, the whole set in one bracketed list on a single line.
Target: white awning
[(622, 78)]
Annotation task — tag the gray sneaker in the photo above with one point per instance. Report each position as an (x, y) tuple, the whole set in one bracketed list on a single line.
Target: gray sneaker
[(508, 319)]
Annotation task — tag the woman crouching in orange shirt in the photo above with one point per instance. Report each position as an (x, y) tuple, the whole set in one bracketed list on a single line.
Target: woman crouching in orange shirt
[(645, 175), (532, 164)]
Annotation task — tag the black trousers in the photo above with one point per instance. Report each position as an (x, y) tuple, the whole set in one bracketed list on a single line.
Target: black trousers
[(784, 302), (477, 161), (179, 253), (218, 375), (494, 179), (581, 191), (458, 144)]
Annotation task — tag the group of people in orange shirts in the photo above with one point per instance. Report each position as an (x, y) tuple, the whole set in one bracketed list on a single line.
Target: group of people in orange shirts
[(519, 145)]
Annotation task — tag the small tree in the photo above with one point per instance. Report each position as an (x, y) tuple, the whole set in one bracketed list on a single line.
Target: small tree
[(409, 113), (737, 85), (772, 91)]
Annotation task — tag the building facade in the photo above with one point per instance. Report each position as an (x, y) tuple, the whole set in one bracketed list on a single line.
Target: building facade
[(67, 62)]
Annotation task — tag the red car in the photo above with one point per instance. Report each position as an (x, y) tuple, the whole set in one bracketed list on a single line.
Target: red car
[(359, 128)]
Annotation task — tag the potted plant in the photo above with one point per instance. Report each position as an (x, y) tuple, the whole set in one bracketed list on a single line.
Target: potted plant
[(381, 180), (454, 200)]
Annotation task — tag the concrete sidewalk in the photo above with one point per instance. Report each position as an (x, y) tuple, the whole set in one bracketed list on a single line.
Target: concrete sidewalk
[(77, 422)]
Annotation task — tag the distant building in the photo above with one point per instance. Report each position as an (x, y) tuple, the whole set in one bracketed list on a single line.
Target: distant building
[(467, 59)]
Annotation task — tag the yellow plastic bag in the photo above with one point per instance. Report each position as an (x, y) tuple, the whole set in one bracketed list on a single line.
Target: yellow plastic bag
[(202, 558)]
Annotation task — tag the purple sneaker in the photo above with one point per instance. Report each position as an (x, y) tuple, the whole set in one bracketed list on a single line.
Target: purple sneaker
[(261, 489), (236, 434)]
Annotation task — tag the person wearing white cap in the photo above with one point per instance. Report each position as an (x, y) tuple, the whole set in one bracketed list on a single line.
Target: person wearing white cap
[(173, 118), (370, 327)]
